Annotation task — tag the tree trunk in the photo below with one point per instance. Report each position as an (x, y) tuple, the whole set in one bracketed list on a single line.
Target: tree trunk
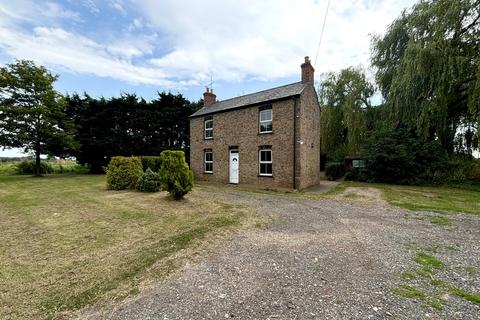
[(38, 172)]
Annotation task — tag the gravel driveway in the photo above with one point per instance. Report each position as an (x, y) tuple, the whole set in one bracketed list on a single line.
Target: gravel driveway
[(324, 259)]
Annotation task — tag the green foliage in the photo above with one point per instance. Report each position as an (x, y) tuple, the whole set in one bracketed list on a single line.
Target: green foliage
[(25, 167), (469, 296), (410, 292), (32, 113), (152, 162), (334, 170), (175, 175), (428, 70), (129, 125), (399, 156), (345, 101), (69, 167), (123, 173), (29, 167), (427, 261), (149, 181), (461, 169)]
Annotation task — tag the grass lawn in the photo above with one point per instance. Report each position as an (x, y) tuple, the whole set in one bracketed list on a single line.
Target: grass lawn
[(462, 198), (67, 242)]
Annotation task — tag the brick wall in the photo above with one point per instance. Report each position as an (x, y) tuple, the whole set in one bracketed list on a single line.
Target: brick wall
[(308, 139), (240, 128)]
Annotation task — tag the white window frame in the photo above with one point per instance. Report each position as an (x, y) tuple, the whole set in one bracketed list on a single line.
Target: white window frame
[(207, 129), (260, 162), (358, 163), (205, 162), (265, 121)]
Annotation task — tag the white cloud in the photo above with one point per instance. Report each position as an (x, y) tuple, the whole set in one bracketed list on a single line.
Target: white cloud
[(77, 54), (14, 13), (91, 6), (136, 24), (118, 5), (266, 39), (53, 10), (232, 40)]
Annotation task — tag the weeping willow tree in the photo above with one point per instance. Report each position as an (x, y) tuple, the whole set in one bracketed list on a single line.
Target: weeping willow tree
[(344, 99), (428, 69)]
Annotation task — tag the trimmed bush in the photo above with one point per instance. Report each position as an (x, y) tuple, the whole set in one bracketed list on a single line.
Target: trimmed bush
[(175, 175), (149, 181), (334, 170), (28, 167), (152, 162), (123, 173)]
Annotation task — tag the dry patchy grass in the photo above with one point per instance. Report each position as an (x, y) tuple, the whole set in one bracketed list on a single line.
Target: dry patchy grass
[(441, 199), (67, 242)]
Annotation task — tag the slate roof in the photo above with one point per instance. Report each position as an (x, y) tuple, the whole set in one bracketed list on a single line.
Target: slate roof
[(285, 91)]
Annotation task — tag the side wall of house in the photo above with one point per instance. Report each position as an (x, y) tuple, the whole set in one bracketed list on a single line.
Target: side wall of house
[(240, 128), (308, 139)]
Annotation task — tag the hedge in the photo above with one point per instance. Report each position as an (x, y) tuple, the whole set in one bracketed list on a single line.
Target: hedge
[(175, 175), (152, 162), (334, 170), (29, 167), (123, 173), (149, 181)]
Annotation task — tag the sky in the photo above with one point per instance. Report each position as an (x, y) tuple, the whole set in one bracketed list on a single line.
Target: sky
[(106, 47)]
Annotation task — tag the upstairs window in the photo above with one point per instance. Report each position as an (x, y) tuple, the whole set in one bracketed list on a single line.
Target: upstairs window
[(265, 118), (208, 126), (208, 156), (265, 161)]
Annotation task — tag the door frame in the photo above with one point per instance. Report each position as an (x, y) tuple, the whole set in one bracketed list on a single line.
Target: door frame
[(230, 151)]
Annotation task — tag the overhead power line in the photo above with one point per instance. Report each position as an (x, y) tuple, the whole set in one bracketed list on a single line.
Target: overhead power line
[(321, 33)]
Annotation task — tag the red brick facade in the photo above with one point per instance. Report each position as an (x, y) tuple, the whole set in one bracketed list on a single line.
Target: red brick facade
[(294, 142)]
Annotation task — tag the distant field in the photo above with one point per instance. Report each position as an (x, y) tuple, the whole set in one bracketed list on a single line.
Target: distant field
[(58, 167), (67, 242)]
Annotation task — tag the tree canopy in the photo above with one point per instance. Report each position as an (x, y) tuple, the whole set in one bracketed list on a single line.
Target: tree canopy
[(32, 113), (428, 69), (129, 125), (345, 100)]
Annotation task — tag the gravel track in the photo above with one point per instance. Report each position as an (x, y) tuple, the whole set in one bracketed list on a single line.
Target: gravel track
[(323, 259)]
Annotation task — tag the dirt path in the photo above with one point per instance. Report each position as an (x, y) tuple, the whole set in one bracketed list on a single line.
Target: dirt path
[(317, 260)]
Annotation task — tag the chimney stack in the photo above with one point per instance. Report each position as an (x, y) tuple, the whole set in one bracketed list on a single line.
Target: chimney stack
[(307, 71), (209, 97)]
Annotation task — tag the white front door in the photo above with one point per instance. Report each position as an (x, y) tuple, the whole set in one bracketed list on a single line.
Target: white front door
[(234, 165)]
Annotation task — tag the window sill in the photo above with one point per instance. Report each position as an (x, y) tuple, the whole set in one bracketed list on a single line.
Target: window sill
[(266, 132), (208, 138), (208, 172), (265, 175)]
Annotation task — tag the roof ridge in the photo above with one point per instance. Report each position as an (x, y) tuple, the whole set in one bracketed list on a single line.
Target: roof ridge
[(248, 94), (270, 94)]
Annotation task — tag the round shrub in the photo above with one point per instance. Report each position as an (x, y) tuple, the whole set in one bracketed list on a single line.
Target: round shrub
[(175, 175), (123, 173), (148, 182), (334, 170), (28, 167), (152, 162)]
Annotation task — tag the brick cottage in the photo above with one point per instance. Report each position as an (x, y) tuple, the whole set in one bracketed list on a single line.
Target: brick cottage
[(270, 138)]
